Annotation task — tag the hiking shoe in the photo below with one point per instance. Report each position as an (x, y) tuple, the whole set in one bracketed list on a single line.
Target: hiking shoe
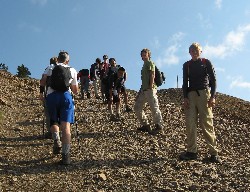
[(48, 135), (113, 117), (82, 96), (188, 156), (128, 109), (57, 147), (156, 130), (144, 128), (215, 159), (88, 95), (66, 159)]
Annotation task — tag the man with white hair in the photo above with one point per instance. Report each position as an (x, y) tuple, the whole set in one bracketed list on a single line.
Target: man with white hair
[(63, 81)]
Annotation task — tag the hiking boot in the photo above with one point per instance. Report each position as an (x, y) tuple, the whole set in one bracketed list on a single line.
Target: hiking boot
[(188, 156), (66, 159), (57, 147), (144, 128), (88, 95), (128, 109), (113, 117), (156, 130), (119, 117), (215, 159), (48, 135)]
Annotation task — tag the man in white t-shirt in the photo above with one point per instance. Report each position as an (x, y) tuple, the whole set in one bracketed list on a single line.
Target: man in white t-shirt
[(61, 107)]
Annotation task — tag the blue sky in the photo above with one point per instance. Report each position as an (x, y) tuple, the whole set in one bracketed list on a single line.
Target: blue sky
[(32, 31)]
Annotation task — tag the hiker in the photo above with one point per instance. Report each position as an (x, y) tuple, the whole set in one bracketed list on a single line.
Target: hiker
[(114, 85), (95, 76), (114, 69), (83, 75), (147, 94), (198, 76), (63, 80), (103, 69), (48, 135)]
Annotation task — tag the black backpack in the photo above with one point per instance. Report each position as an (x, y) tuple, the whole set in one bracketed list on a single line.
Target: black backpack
[(159, 77), (59, 80)]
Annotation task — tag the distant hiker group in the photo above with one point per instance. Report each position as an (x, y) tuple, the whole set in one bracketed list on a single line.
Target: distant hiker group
[(59, 83)]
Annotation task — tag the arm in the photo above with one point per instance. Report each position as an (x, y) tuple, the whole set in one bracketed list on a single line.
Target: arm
[(74, 84), (185, 80), (212, 81), (185, 85), (74, 88), (151, 79), (212, 78), (42, 86)]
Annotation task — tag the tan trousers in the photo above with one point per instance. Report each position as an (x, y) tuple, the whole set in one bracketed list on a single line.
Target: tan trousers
[(198, 108), (97, 86), (150, 97)]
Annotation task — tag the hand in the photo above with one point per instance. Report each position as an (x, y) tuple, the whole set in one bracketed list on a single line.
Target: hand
[(41, 96), (111, 99), (211, 102), (186, 103)]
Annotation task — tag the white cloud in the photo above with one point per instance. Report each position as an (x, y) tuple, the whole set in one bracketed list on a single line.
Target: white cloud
[(239, 82), (218, 3), (233, 41), (39, 2), (169, 56), (177, 37)]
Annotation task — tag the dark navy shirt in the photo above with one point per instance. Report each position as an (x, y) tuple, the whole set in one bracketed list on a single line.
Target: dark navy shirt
[(198, 75)]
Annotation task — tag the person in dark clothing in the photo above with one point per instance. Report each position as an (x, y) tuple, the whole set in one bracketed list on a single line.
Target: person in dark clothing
[(115, 83), (199, 88), (103, 69), (84, 78), (95, 76), (48, 134)]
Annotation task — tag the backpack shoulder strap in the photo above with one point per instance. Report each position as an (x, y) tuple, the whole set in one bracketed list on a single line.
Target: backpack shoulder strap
[(188, 63), (204, 61)]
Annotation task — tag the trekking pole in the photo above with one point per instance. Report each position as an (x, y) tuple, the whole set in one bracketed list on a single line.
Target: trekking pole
[(177, 82), (44, 112), (43, 131), (76, 126)]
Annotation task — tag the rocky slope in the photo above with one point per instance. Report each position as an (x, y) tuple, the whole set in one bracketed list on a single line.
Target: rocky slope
[(112, 156)]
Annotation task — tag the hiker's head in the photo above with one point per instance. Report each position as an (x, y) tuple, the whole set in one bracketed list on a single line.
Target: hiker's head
[(105, 58), (121, 72), (145, 54), (98, 60), (63, 57), (53, 60), (112, 62), (195, 50)]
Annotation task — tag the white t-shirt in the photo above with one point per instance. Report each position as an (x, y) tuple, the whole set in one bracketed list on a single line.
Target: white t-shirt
[(73, 81)]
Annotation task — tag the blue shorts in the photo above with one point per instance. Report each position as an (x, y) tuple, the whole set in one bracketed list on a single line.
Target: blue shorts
[(61, 107)]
